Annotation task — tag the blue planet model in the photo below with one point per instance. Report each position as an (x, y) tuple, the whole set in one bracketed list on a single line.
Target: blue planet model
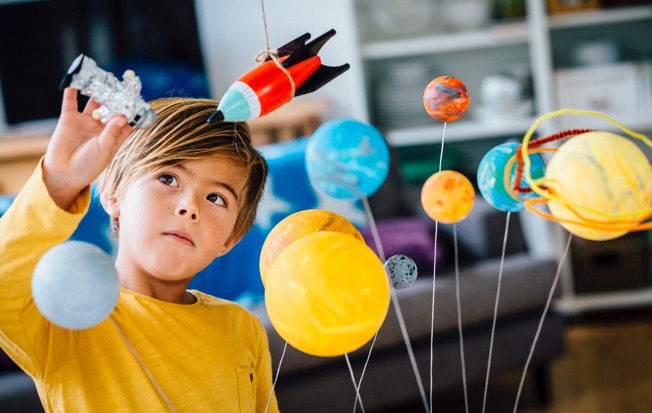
[(347, 159), (491, 173)]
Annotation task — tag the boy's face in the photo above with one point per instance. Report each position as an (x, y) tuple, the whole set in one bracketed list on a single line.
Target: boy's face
[(176, 220)]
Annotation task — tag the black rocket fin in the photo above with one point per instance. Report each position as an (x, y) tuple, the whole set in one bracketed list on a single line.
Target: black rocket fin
[(293, 46), (320, 77), (75, 67), (309, 50)]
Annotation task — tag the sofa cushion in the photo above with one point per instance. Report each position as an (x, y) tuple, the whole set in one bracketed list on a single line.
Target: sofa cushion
[(414, 237), (480, 235)]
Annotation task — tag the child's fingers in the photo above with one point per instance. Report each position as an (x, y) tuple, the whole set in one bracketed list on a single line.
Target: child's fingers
[(69, 103), (114, 134), (91, 105)]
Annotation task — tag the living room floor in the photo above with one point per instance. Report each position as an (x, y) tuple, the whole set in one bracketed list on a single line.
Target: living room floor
[(607, 368)]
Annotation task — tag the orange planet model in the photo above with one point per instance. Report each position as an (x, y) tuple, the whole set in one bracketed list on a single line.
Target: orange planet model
[(447, 197), (446, 99), (296, 226)]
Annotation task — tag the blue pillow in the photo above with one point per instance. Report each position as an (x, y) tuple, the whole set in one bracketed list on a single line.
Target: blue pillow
[(236, 275), (5, 202), (94, 227)]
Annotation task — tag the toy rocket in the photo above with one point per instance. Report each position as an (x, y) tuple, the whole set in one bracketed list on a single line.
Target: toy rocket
[(267, 87)]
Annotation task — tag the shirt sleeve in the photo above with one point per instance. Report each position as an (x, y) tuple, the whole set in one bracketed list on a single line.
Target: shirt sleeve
[(31, 226)]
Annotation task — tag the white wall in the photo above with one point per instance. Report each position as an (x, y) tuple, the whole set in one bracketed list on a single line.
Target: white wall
[(232, 33)]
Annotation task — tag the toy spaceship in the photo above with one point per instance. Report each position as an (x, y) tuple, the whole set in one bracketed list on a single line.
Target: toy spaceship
[(114, 96), (267, 87)]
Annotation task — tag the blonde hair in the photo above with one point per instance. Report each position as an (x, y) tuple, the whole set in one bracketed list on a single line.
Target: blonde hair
[(181, 133)]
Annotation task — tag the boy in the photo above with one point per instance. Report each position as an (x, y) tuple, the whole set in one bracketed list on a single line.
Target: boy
[(179, 194)]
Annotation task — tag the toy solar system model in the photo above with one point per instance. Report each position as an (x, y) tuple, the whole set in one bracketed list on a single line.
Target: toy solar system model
[(294, 70), (114, 96), (597, 185)]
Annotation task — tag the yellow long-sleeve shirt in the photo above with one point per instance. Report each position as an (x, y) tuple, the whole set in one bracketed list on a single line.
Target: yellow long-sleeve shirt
[(210, 356)]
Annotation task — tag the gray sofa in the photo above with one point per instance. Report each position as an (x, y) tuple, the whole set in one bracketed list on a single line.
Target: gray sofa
[(312, 384)]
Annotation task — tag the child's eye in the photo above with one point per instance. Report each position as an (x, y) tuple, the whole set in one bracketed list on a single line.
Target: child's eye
[(168, 179), (216, 199)]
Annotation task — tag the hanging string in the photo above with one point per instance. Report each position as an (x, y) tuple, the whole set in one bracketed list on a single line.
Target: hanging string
[(397, 307), (278, 370), (374, 229), (543, 316), (272, 54), (434, 274), (356, 386), (262, 9), (441, 152), (149, 375), (459, 318), (493, 325), (366, 363)]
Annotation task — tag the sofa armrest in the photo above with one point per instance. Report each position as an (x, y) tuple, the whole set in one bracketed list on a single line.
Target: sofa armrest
[(18, 393)]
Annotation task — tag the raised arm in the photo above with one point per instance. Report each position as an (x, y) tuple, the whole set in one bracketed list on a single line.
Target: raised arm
[(45, 213), (79, 150)]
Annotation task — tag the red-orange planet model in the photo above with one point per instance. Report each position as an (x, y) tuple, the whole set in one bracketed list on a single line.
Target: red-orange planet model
[(446, 99)]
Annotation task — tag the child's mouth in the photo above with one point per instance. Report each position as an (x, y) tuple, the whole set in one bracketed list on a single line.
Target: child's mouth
[(180, 237)]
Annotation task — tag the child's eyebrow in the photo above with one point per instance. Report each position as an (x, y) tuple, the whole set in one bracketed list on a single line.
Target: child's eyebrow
[(212, 182)]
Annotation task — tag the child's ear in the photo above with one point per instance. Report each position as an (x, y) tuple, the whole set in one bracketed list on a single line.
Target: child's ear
[(111, 206), (230, 243)]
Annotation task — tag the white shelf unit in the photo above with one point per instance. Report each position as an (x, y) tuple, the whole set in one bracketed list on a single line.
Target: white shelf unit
[(569, 302), (457, 132), (494, 36), (534, 34), (604, 301), (601, 17)]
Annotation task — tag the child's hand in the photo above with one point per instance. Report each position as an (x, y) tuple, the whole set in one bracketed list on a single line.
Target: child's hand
[(79, 150)]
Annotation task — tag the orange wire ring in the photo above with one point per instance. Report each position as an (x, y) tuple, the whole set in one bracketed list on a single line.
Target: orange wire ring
[(618, 222)]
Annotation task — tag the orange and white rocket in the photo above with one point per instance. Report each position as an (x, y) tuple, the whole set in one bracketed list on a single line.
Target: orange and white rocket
[(267, 87)]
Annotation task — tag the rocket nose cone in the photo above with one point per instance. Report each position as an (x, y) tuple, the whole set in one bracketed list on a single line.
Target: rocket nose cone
[(216, 117)]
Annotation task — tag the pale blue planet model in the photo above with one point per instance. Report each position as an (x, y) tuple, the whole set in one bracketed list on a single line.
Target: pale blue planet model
[(347, 159), (491, 172), (401, 270), (75, 285)]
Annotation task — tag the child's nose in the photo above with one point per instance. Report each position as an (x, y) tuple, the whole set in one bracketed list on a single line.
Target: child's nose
[(188, 208), (185, 211)]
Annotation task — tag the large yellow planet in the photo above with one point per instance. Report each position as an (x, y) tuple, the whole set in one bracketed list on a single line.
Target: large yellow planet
[(298, 225), (327, 294), (604, 178)]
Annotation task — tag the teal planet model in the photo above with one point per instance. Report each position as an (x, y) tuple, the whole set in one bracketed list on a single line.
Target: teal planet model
[(491, 174)]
